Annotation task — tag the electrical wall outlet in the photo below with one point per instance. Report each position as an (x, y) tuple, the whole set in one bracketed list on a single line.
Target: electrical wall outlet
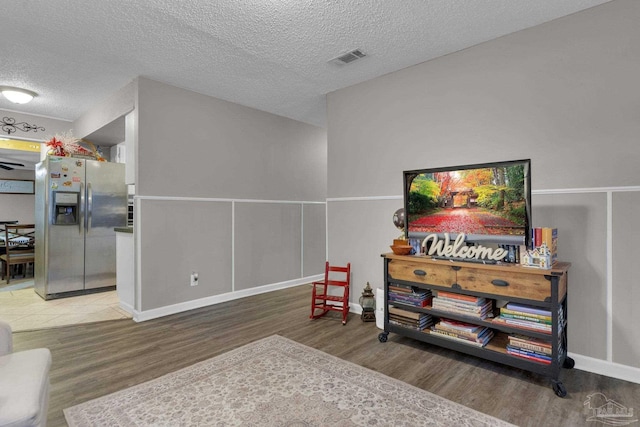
[(194, 279)]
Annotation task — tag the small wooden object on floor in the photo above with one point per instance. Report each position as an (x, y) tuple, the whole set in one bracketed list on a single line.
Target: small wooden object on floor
[(322, 300)]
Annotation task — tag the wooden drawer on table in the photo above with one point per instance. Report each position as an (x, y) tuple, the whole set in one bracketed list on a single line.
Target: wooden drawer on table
[(503, 283), (428, 274)]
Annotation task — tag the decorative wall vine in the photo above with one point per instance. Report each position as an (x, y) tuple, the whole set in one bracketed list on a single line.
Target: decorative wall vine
[(10, 126)]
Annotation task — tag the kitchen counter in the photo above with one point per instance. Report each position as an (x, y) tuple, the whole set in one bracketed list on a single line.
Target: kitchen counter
[(123, 229)]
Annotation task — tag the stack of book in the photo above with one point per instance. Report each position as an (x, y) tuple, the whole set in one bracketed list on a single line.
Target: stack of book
[(463, 332), (530, 348), (409, 319), (528, 317), (409, 295), (464, 305), (548, 236)]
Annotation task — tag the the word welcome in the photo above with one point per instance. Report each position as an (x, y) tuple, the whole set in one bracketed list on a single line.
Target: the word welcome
[(458, 249)]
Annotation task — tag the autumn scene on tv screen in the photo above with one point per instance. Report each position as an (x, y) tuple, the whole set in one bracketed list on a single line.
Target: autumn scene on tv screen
[(472, 201)]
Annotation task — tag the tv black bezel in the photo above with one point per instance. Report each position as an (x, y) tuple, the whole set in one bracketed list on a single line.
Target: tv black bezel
[(525, 239)]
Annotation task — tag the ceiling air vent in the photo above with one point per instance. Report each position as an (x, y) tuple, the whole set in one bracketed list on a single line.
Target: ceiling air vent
[(348, 57)]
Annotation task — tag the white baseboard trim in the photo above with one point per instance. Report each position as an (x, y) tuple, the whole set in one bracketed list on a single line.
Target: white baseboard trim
[(126, 307), (141, 316), (355, 308), (609, 369)]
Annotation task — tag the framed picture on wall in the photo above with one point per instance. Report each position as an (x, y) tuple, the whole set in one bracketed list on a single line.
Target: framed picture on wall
[(17, 186)]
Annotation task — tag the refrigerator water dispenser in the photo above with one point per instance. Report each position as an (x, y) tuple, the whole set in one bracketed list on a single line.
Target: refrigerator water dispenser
[(65, 208)]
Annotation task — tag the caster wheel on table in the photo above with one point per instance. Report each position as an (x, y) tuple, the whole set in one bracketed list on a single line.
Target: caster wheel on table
[(569, 363), (559, 389), (382, 337)]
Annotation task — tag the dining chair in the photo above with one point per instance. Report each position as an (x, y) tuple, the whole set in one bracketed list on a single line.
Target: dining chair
[(19, 249)]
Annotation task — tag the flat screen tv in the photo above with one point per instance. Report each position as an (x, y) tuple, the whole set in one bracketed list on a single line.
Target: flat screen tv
[(489, 202)]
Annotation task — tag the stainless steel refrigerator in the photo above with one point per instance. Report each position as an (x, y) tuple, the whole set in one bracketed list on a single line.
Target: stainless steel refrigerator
[(78, 204)]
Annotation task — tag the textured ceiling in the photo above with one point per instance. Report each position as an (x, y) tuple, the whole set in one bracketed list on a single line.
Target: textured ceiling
[(268, 54)]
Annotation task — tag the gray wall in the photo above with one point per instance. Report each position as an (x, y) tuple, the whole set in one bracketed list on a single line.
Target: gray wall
[(19, 207), (236, 194), (51, 126), (564, 94), (105, 112)]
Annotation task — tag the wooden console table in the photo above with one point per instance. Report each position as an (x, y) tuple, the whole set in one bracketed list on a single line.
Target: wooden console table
[(502, 283)]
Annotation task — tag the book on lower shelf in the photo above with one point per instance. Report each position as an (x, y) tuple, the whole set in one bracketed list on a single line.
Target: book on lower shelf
[(409, 319), (464, 305), (409, 295), (528, 343), (530, 355), (536, 318), (529, 318), (523, 324), (522, 345), (528, 309), (467, 333)]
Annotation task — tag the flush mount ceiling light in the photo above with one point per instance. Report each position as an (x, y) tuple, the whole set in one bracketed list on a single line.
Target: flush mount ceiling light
[(17, 95)]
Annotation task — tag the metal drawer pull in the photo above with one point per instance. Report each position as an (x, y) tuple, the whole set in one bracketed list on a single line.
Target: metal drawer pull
[(498, 282), (419, 272)]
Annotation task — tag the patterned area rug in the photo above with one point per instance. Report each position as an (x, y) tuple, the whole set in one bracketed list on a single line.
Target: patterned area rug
[(274, 382)]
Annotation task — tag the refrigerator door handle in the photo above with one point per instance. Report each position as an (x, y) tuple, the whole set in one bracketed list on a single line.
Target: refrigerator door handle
[(89, 206), (81, 208)]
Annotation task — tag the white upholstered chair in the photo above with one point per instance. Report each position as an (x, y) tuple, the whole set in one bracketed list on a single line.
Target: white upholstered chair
[(24, 383)]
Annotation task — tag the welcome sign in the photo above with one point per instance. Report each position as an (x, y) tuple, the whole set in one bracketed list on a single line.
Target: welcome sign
[(458, 248)]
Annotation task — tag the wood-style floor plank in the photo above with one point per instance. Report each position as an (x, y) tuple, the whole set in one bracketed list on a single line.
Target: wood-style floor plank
[(92, 360)]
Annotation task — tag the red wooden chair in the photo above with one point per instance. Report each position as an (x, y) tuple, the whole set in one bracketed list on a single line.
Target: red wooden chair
[(323, 299)]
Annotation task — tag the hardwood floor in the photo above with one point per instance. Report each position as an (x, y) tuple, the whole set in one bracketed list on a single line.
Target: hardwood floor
[(96, 359)]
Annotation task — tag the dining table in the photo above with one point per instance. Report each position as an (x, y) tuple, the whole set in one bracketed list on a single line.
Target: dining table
[(16, 241)]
